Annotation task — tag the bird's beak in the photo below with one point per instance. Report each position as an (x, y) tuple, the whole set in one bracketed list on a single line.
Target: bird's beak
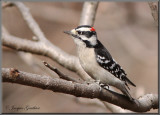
[(72, 32), (67, 32)]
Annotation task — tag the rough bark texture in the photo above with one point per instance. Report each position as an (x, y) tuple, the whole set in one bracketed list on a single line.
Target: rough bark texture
[(143, 104)]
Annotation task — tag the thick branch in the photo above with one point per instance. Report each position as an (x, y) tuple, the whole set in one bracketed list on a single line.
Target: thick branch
[(143, 104), (88, 13)]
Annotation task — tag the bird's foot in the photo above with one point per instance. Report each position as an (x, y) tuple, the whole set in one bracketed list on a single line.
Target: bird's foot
[(98, 83), (102, 85)]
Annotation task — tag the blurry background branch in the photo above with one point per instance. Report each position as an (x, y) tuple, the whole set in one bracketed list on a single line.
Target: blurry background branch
[(88, 13), (143, 104), (43, 47), (154, 10)]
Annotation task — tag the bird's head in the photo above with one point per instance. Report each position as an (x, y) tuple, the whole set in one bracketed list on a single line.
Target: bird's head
[(84, 35)]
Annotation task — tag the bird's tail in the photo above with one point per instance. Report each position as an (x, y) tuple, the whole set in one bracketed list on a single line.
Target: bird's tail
[(128, 81), (126, 92)]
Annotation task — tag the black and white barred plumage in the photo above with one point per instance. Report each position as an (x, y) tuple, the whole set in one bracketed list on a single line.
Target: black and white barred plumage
[(96, 60), (106, 61)]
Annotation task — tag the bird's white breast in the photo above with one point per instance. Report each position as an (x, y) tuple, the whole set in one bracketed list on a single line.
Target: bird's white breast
[(89, 64)]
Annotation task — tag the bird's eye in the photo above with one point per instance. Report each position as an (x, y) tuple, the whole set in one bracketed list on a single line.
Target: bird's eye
[(79, 32)]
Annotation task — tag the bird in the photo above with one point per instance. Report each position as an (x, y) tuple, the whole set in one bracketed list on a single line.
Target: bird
[(97, 61)]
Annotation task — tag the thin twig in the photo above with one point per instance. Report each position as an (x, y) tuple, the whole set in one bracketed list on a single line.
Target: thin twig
[(61, 75), (143, 104)]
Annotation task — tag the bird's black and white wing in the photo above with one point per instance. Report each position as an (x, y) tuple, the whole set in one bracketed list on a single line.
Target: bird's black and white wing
[(106, 61)]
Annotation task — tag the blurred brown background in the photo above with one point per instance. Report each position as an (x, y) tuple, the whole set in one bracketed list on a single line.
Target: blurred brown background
[(127, 29)]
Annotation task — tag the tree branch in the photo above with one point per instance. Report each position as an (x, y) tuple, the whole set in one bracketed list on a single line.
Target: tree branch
[(43, 47), (32, 24), (142, 104), (61, 75), (88, 13)]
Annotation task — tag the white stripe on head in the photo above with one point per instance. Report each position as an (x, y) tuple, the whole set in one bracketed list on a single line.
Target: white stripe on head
[(83, 29)]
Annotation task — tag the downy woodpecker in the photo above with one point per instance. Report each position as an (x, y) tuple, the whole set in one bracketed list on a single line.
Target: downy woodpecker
[(96, 60)]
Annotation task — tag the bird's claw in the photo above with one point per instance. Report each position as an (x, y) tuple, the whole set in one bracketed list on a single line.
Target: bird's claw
[(102, 85)]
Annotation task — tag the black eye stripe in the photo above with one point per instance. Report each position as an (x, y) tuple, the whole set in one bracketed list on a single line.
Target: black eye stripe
[(78, 32), (86, 33), (81, 32)]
